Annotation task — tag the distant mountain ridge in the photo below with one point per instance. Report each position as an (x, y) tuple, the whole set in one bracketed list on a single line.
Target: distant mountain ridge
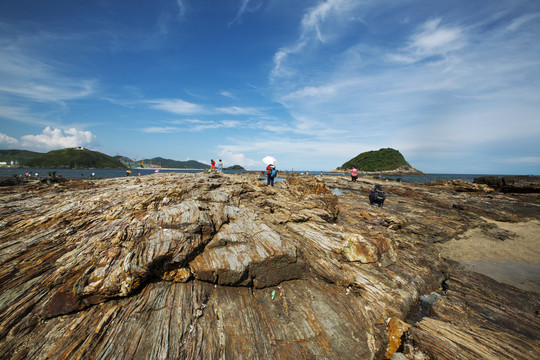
[(84, 158), (74, 158), (175, 164), (17, 155)]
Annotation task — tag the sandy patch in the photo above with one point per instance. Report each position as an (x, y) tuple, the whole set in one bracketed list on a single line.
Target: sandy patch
[(507, 252)]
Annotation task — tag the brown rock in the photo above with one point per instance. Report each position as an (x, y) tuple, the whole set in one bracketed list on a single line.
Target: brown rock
[(396, 329), (220, 266), (377, 249)]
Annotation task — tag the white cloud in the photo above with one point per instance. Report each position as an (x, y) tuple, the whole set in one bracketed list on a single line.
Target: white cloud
[(56, 138), (514, 25), (176, 106), (8, 140), (236, 110), (209, 125), (244, 8), (227, 94), (436, 38), (167, 18), (160, 130), (195, 125), (229, 159), (21, 114), (25, 76), (312, 32), (433, 39), (182, 8)]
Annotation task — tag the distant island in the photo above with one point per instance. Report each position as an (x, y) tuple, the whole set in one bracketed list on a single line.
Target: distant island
[(235, 168), (382, 160)]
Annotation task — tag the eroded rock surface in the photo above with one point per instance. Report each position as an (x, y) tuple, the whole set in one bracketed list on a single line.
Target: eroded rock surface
[(220, 266)]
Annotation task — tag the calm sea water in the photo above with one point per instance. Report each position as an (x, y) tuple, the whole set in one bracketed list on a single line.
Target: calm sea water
[(106, 173)]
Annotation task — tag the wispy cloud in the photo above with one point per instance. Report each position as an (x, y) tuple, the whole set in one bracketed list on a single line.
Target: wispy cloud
[(22, 115), (210, 125), (244, 7), (191, 125), (167, 18), (160, 130), (236, 110), (312, 31), (433, 39), (176, 106), (227, 94), (31, 77), (520, 21), (446, 83)]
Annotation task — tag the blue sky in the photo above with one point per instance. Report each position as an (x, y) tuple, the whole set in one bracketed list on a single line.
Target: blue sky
[(453, 85)]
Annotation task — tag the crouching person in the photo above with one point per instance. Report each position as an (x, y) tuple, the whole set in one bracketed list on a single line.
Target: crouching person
[(377, 196)]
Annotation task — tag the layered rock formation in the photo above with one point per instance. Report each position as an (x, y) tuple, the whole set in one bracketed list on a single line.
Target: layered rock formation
[(209, 266), (523, 184)]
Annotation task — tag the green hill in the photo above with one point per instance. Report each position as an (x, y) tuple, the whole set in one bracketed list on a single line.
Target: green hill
[(175, 164), (74, 158), (235, 168), (377, 160), (18, 155)]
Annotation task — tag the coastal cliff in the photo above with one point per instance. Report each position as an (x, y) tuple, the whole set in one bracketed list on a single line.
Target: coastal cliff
[(208, 266)]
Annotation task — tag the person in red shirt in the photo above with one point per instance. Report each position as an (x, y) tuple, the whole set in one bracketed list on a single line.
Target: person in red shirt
[(212, 165), (269, 178)]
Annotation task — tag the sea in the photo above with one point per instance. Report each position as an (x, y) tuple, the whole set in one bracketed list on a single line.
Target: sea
[(109, 173)]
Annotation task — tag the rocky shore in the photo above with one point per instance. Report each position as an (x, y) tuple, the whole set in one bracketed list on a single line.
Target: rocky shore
[(215, 266)]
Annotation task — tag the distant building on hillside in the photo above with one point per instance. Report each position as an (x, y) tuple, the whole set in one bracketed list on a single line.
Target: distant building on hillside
[(9, 163)]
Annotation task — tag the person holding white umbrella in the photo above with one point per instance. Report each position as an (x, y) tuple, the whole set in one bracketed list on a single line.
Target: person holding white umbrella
[(270, 170)]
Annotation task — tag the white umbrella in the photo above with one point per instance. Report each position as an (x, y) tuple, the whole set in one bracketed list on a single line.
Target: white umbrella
[(269, 160)]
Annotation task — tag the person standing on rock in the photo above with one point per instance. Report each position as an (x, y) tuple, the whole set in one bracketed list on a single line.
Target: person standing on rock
[(354, 173), (269, 178), (220, 166), (212, 165)]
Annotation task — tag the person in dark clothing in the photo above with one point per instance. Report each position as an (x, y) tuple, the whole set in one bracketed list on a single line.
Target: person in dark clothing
[(377, 196)]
